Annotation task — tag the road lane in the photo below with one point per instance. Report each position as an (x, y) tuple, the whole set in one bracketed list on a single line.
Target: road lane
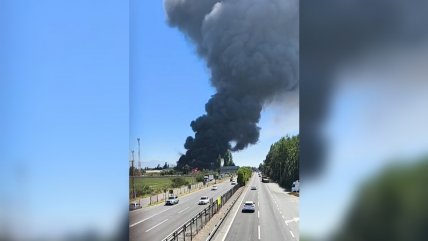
[(245, 225), (272, 226), (267, 222), (287, 207), (156, 223)]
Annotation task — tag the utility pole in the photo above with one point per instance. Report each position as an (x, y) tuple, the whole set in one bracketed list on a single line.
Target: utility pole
[(139, 160), (133, 176)]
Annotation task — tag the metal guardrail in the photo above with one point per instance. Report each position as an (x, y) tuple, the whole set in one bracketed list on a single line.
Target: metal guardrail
[(189, 229)]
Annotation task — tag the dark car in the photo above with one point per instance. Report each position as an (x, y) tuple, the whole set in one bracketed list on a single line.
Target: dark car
[(134, 206)]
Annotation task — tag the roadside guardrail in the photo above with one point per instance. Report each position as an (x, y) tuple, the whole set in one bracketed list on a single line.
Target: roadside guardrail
[(189, 229)]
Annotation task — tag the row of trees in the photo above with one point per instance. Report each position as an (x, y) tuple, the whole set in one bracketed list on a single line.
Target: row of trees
[(140, 171), (282, 161), (244, 174)]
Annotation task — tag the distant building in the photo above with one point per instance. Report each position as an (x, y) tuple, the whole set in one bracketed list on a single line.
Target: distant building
[(153, 171)]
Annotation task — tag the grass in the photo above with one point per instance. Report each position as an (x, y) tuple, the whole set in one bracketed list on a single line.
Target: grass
[(157, 184)]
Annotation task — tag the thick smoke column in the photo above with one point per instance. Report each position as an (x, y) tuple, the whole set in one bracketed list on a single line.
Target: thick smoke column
[(251, 48)]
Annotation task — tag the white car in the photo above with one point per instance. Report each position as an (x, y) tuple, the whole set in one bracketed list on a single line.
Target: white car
[(253, 188), (214, 188), (204, 200), (249, 206), (233, 183), (172, 200)]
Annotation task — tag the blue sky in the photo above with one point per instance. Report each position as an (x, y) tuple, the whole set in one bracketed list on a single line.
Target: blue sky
[(169, 86), (65, 113)]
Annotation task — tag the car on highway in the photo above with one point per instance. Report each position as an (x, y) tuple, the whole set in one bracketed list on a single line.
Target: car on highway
[(134, 206), (214, 188), (249, 206), (204, 200), (173, 199), (253, 188)]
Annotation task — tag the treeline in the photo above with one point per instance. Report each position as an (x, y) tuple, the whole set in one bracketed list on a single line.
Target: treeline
[(134, 171), (244, 174), (282, 161)]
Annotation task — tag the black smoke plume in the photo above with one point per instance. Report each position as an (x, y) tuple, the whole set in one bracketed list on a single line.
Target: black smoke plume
[(251, 49)]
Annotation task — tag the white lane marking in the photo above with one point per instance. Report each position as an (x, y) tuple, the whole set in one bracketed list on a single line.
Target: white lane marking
[(132, 225), (258, 214), (156, 225), (291, 220), (258, 204), (292, 234), (234, 216), (183, 210), (259, 231)]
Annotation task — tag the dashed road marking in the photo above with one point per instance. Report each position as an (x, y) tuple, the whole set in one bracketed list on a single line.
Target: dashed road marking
[(183, 210), (292, 234), (132, 225), (259, 231), (156, 225)]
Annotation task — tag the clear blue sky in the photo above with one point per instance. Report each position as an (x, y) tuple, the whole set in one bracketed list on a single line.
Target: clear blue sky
[(64, 115), (169, 87)]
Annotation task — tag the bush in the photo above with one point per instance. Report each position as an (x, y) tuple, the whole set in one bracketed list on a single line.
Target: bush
[(178, 182), (200, 177), (143, 190)]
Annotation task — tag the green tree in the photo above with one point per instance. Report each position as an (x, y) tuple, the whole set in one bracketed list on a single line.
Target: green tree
[(244, 174), (282, 161), (228, 159)]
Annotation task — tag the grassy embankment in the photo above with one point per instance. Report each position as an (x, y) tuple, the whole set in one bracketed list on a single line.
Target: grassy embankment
[(146, 186)]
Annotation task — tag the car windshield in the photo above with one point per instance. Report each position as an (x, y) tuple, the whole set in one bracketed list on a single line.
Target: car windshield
[(249, 203), (203, 198), (171, 198)]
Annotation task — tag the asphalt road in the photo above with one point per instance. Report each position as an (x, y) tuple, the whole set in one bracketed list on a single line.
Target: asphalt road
[(157, 222), (275, 218)]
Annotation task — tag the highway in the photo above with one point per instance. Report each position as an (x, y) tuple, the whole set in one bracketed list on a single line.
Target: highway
[(275, 217), (157, 222)]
